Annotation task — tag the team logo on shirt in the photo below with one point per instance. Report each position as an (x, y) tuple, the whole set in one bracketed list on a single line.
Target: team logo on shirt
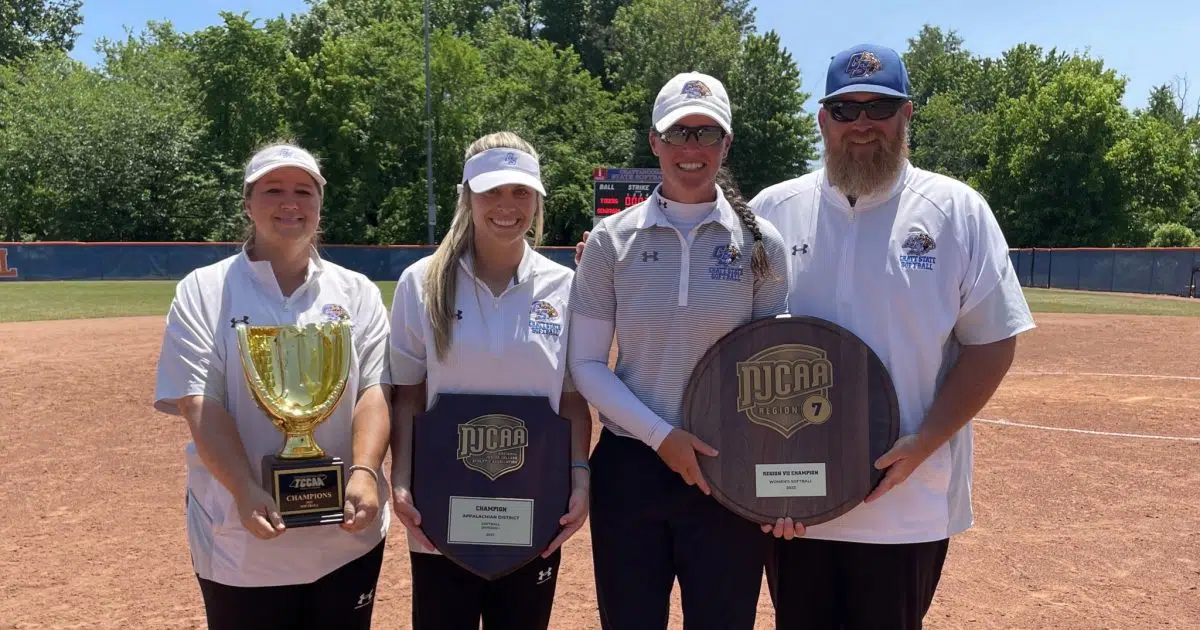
[(786, 388), (916, 249), (493, 445), (724, 257), (334, 313), (544, 319), (695, 89), (863, 64)]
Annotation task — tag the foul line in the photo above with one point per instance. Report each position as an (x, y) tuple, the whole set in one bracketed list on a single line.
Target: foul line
[(1009, 423), (1108, 375)]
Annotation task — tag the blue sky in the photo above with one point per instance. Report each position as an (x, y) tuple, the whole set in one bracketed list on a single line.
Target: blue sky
[(1147, 43)]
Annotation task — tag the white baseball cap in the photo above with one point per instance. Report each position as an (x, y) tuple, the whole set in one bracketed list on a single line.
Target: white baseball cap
[(497, 167), (279, 156), (692, 93)]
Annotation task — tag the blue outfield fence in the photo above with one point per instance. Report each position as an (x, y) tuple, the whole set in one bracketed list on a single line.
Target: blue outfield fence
[(1166, 270), (173, 261), (1170, 271)]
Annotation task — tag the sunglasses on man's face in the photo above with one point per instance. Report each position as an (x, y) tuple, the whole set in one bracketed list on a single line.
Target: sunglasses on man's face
[(706, 135), (878, 109)]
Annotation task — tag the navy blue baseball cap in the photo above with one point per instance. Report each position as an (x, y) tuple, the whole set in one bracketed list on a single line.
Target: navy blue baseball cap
[(866, 68)]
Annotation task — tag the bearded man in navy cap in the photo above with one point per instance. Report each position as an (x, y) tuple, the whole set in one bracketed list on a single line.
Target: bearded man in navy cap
[(914, 263)]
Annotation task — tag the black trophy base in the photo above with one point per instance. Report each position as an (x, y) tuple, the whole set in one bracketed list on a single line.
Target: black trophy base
[(308, 491)]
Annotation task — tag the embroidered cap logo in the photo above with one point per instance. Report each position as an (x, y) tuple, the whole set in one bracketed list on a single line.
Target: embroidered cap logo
[(863, 64), (695, 89)]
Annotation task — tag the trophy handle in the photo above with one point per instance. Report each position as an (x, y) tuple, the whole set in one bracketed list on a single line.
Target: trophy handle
[(251, 371)]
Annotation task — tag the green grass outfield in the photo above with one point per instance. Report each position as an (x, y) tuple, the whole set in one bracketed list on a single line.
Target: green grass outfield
[(31, 301)]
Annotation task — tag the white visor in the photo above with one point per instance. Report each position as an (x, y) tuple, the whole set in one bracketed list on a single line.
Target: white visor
[(279, 156), (497, 167)]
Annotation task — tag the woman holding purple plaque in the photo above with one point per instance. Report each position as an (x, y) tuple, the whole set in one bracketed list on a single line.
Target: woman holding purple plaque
[(485, 313)]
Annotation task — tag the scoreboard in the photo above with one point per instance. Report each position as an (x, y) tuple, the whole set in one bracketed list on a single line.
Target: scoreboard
[(614, 189)]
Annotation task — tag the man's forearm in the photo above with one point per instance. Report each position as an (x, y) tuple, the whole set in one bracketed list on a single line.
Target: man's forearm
[(967, 388)]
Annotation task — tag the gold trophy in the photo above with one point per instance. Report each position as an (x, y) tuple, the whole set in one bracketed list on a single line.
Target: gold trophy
[(298, 375)]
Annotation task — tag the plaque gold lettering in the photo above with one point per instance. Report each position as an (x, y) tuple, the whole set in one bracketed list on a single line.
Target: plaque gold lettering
[(786, 387)]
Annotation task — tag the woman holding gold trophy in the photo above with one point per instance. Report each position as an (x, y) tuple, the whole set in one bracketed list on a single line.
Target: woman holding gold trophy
[(277, 360), (485, 313)]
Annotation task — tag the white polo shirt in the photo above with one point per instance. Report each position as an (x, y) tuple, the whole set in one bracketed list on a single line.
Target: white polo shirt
[(514, 344), (915, 272), (199, 356)]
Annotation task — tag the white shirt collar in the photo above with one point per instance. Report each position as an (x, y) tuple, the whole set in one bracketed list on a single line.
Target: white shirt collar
[(869, 201), (265, 273), (723, 212), (526, 269)]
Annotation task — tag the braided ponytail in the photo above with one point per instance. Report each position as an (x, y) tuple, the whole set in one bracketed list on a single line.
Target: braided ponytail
[(758, 261)]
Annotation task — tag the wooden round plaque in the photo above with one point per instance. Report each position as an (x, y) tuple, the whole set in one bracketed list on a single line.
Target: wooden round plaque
[(798, 409)]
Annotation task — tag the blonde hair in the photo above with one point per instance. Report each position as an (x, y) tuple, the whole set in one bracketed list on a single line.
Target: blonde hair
[(441, 277), (248, 189)]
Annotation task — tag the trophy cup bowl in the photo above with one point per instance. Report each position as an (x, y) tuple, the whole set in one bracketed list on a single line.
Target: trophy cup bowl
[(298, 375)]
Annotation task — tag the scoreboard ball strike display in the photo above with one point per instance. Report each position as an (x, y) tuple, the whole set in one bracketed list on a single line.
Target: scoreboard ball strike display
[(615, 189)]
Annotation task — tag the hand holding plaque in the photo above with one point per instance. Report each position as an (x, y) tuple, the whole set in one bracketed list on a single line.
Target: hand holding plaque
[(799, 409), (298, 376)]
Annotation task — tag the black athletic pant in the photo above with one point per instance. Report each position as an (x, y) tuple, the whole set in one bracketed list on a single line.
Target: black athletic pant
[(649, 527), (446, 596), (343, 599), (831, 585)]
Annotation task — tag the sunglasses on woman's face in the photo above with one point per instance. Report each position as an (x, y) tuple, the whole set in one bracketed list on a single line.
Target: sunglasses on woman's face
[(706, 135), (878, 109)]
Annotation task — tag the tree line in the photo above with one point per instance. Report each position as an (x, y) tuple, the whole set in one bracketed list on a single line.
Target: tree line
[(150, 144)]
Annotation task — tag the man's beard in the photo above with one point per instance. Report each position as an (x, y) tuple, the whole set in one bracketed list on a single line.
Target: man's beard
[(861, 174)]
